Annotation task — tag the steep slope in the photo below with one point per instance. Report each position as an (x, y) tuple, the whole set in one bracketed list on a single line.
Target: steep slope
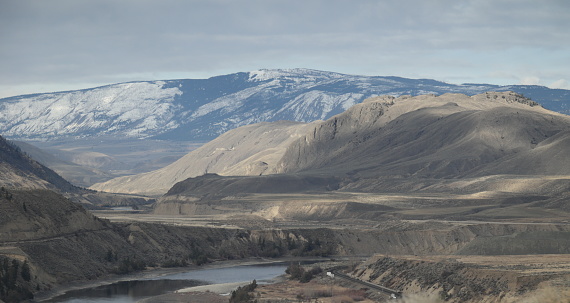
[(202, 109), (20, 171), (248, 150), (549, 155), (80, 175), (438, 137), (28, 215)]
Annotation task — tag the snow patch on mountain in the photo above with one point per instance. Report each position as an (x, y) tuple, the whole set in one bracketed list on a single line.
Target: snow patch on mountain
[(296, 75), (231, 102), (144, 106), (202, 109), (316, 105)]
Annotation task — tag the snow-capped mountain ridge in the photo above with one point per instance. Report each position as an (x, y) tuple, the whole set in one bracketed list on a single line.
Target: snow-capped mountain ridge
[(201, 109), (295, 74), (104, 110)]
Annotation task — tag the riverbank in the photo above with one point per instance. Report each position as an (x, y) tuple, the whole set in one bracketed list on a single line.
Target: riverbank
[(324, 289), (150, 273), (212, 293), (157, 273), (194, 297)]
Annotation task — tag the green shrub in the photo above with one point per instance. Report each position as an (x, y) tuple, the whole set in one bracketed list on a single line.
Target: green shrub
[(242, 294), (128, 265), (297, 272)]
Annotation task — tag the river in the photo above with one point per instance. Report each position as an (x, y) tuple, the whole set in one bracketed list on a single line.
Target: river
[(135, 290)]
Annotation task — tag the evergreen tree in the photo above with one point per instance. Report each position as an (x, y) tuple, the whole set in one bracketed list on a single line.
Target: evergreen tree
[(26, 272)]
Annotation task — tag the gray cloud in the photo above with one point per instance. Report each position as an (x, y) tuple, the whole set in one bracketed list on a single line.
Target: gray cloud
[(75, 42)]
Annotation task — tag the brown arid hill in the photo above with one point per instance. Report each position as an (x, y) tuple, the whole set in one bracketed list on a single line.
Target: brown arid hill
[(38, 214), (488, 142), (18, 170), (388, 144), (21, 172), (81, 175), (248, 150), (449, 136), (493, 156)]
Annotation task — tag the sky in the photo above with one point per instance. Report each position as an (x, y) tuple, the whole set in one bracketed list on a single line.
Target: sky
[(57, 45)]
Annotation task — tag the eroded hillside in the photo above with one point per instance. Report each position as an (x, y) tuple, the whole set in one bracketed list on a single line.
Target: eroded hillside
[(248, 150), (18, 170), (427, 136)]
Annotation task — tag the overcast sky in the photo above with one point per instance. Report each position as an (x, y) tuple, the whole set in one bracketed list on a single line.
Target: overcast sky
[(70, 44)]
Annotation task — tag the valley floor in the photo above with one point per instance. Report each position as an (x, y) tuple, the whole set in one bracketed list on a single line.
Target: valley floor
[(351, 210), (513, 251), (546, 278)]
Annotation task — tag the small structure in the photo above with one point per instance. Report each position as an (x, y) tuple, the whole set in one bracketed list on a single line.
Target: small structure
[(330, 274)]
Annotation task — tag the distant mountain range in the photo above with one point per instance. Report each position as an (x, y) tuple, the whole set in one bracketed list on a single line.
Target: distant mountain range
[(202, 109)]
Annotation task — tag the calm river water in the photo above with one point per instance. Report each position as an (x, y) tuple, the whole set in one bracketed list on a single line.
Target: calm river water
[(132, 291)]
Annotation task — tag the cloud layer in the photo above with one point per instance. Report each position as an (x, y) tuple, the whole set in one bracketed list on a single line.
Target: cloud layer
[(68, 43)]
